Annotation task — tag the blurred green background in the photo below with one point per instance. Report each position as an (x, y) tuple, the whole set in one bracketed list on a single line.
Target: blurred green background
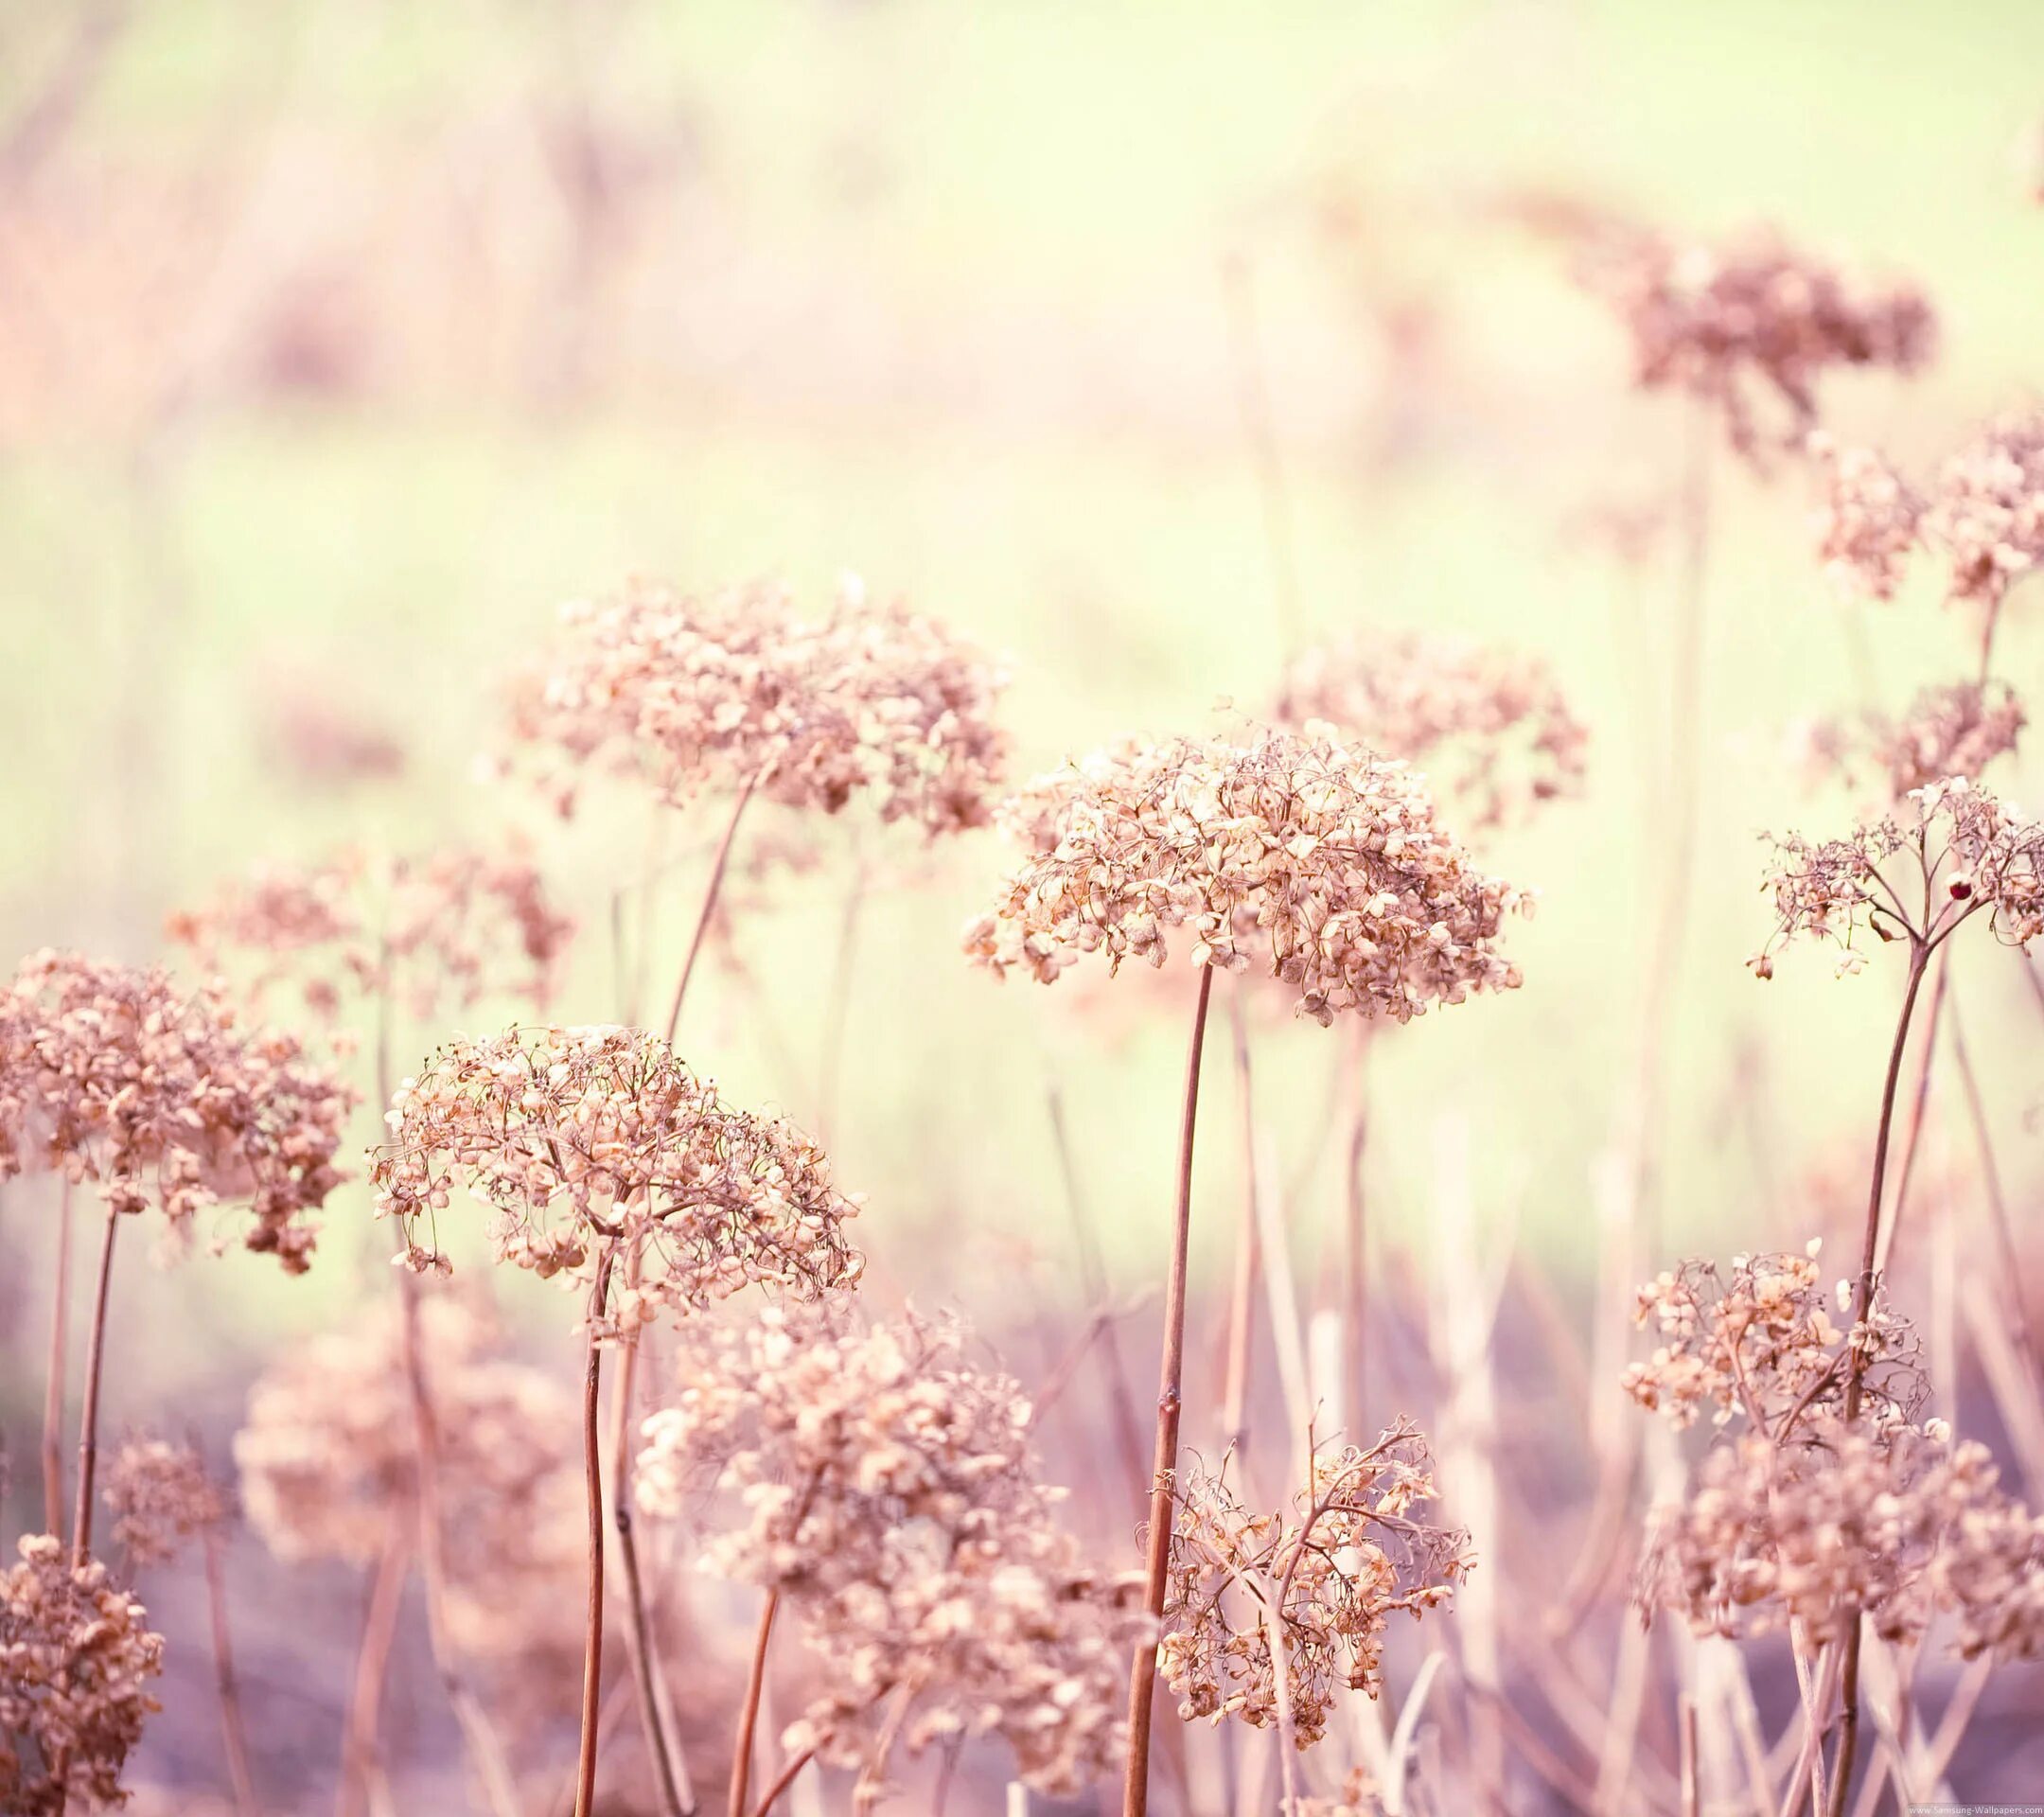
[(341, 340)]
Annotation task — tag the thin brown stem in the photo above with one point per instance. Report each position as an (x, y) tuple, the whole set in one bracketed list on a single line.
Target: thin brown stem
[(1355, 1233), (786, 1778), (1856, 1372), (372, 1657), (708, 904), (1143, 1674), (741, 1769), (233, 1734), (1919, 1105), (593, 1483), (1248, 1258), (1997, 1211), (89, 1420), (53, 1386)]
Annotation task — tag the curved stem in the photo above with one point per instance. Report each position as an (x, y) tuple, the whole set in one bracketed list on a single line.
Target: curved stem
[(89, 1421), (53, 1386), (787, 1777), (233, 1734), (709, 905), (1855, 1371), (1142, 1673), (741, 1768), (379, 1627), (593, 1480)]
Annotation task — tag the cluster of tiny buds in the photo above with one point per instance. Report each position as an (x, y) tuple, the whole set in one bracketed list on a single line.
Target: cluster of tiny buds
[(1950, 852), (155, 1095), (1321, 861), (455, 924), (1328, 1573), (736, 691), (1719, 321), (76, 1660), (162, 1496), (1489, 727), (1954, 729), (589, 1144), (885, 1491)]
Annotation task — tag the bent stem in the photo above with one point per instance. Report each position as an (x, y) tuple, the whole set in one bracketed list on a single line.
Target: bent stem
[(741, 1768), (709, 905), (592, 1481), (365, 1700), (1856, 1372), (1142, 1673), (233, 1735), (89, 1421), (53, 1386)]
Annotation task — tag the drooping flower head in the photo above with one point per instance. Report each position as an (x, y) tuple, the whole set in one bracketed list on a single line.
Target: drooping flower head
[(1332, 1570), (580, 1138), (1315, 858), (703, 694), (1953, 851), (890, 1497), (450, 926), (1722, 322), (1488, 726), (76, 1660), (156, 1095)]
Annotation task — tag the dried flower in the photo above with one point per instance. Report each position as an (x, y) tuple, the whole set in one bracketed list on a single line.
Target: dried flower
[(1718, 320), (888, 1496), (1986, 513), (1333, 1571), (455, 925), (734, 690), (1871, 518), (1953, 851), (119, 1077), (76, 1658), (580, 1138), (161, 1496), (1324, 860), (1488, 726), (1956, 730)]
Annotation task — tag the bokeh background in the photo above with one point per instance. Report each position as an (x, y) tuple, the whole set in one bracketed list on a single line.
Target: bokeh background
[(341, 340)]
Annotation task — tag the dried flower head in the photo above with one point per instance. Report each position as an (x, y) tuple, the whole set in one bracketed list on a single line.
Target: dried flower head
[(452, 927), (1719, 322), (1330, 1572), (1762, 1345), (1488, 726), (1898, 1522), (1956, 730), (1323, 860), (1870, 521), (1951, 852), (888, 1495), (698, 694), (1986, 513), (154, 1094), (76, 1659), (579, 1140), (1358, 1797), (162, 1495)]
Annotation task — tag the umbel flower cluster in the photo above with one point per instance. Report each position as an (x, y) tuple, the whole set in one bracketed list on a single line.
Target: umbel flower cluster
[(735, 691), (155, 1095), (1803, 1514), (890, 1499), (580, 1140), (1722, 322), (1329, 1574), (1956, 730), (1317, 859), (452, 926), (1951, 852), (1489, 727), (162, 1496), (78, 1657), (329, 1469), (1981, 517)]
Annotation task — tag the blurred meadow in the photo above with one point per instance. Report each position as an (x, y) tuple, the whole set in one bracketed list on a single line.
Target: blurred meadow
[(340, 342)]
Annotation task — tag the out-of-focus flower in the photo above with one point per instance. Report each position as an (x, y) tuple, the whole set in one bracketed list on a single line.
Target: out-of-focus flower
[(161, 1496), (1870, 521), (1956, 730)]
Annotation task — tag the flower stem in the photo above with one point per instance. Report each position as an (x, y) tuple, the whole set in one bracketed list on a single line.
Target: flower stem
[(53, 1387), (789, 1773), (379, 1627), (233, 1735), (709, 905), (592, 1479), (1143, 1674), (741, 1767), (89, 1421)]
